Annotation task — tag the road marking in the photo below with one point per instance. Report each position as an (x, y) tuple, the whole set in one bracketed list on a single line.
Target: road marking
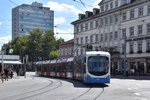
[(144, 99), (138, 94)]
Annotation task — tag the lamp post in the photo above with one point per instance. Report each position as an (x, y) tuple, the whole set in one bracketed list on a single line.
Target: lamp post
[(125, 53), (2, 57)]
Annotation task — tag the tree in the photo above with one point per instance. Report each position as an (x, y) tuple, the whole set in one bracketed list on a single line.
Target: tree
[(54, 54), (59, 41), (37, 44), (34, 44), (48, 44)]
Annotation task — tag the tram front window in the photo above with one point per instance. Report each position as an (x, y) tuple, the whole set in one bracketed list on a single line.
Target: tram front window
[(98, 65)]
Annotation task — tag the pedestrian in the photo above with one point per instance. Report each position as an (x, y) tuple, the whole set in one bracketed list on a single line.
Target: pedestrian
[(11, 73), (2, 75), (6, 72), (17, 71), (127, 71)]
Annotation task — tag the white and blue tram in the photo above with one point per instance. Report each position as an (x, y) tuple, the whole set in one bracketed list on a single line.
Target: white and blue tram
[(93, 67)]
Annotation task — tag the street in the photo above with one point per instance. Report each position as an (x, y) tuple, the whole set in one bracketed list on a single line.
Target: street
[(41, 88)]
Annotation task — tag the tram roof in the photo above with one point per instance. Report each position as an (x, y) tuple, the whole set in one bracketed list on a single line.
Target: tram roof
[(97, 52), (70, 59)]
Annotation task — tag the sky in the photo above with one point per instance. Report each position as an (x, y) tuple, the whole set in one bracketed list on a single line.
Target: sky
[(65, 12)]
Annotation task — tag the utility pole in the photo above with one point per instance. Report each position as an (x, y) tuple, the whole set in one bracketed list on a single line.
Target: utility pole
[(2, 57), (125, 52)]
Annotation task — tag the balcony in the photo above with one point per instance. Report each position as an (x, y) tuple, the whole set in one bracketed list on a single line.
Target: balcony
[(148, 51), (131, 52), (140, 51)]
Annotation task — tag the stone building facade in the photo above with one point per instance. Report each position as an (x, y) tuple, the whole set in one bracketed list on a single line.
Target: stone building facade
[(121, 27)]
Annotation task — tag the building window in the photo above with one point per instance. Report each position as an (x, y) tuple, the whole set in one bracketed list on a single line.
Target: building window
[(96, 24), (123, 33), (131, 31), (111, 36), (82, 27), (102, 8), (140, 13), (116, 18), (91, 39), (116, 35), (111, 5), (123, 48), (106, 21), (148, 28), (96, 38), (77, 28), (148, 46), (106, 37), (131, 48), (132, 14), (124, 16), (86, 39), (148, 10), (106, 7), (77, 41), (101, 37), (86, 26), (139, 47), (102, 22), (91, 25), (116, 3), (111, 19), (81, 42), (140, 29)]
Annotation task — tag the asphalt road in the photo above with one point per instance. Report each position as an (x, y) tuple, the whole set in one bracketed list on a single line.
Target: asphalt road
[(40, 88)]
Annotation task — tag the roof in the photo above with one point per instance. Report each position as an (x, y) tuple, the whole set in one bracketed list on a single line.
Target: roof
[(11, 62)]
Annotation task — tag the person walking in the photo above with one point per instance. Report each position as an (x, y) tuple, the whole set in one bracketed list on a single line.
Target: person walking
[(6, 72), (1, 75), (127, 71), (11, 73)]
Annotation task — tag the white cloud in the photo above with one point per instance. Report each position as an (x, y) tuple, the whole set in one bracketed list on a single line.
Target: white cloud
[(59, 20), (96, 2), (0, 23), (62, 7), (66, 35), (4, 40)]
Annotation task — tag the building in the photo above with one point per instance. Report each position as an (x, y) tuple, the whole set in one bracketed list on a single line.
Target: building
[(120, 26), (67, 49), (26, 17)]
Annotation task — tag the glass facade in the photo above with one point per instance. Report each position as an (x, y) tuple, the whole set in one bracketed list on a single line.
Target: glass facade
[(25, 18)]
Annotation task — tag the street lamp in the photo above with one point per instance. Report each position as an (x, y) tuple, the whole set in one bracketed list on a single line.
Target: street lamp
[(125, 53), (2, 57)]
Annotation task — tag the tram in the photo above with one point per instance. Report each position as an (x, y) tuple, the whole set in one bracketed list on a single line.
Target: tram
[(93, 67)]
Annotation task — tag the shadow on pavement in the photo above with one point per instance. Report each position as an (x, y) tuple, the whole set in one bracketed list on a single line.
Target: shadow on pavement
[(131, 77), (79, 84)]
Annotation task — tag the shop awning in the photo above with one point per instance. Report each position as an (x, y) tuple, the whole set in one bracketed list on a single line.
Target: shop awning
[(11, 62)]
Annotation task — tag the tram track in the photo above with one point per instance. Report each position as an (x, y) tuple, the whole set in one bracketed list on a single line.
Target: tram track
[(40, 93), (90, 94), (36, 92)]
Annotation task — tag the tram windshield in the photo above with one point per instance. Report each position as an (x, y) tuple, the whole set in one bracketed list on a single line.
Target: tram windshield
[(98, 65)]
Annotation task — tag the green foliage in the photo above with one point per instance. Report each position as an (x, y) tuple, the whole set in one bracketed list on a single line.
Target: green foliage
[(54, 54), (37, 44)]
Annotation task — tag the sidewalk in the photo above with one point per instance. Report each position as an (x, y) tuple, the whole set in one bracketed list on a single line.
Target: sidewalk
[(131, 77)]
